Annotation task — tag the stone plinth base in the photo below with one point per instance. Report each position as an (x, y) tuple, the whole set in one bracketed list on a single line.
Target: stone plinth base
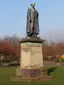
[(29, 75)]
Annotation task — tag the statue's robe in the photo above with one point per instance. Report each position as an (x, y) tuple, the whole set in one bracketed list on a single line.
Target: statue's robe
[(32, 22)]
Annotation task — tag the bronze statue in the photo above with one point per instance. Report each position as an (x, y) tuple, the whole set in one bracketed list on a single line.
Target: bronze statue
[(32, 28)]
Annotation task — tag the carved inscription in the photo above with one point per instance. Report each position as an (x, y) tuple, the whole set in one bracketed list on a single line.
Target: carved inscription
[(25, 49), (36, 50)]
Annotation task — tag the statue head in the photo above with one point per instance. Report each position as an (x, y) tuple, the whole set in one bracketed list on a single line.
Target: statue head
[(33, 5)]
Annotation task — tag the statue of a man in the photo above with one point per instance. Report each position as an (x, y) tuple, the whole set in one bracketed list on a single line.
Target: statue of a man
[(32, 21)]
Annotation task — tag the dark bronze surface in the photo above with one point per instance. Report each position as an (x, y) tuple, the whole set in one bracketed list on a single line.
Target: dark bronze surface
[(32, 28)]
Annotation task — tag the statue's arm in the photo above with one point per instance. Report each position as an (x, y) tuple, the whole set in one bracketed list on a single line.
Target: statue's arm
[(29, 14), (37, 12)]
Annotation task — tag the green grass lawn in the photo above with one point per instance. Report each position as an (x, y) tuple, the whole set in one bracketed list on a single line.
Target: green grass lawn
[(56, 72)]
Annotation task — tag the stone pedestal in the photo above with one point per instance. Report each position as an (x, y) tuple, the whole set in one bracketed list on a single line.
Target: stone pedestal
[(31, 61), (31, 55)]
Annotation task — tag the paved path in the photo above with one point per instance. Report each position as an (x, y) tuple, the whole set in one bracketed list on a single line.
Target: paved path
[(46, 63)]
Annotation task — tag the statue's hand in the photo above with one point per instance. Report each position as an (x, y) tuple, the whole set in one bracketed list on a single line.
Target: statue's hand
[(30, 20)]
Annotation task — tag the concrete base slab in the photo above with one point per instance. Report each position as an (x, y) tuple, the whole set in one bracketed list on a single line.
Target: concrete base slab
[(38, 79)]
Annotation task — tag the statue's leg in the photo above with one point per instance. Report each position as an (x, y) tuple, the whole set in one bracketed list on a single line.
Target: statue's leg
[(33, 32), (35, 35), (29, 34)]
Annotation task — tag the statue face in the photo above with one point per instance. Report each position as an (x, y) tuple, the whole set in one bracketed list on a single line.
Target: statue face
[(33, 5)]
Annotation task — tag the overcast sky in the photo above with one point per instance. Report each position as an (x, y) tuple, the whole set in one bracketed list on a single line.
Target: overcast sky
[(51, 18)]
